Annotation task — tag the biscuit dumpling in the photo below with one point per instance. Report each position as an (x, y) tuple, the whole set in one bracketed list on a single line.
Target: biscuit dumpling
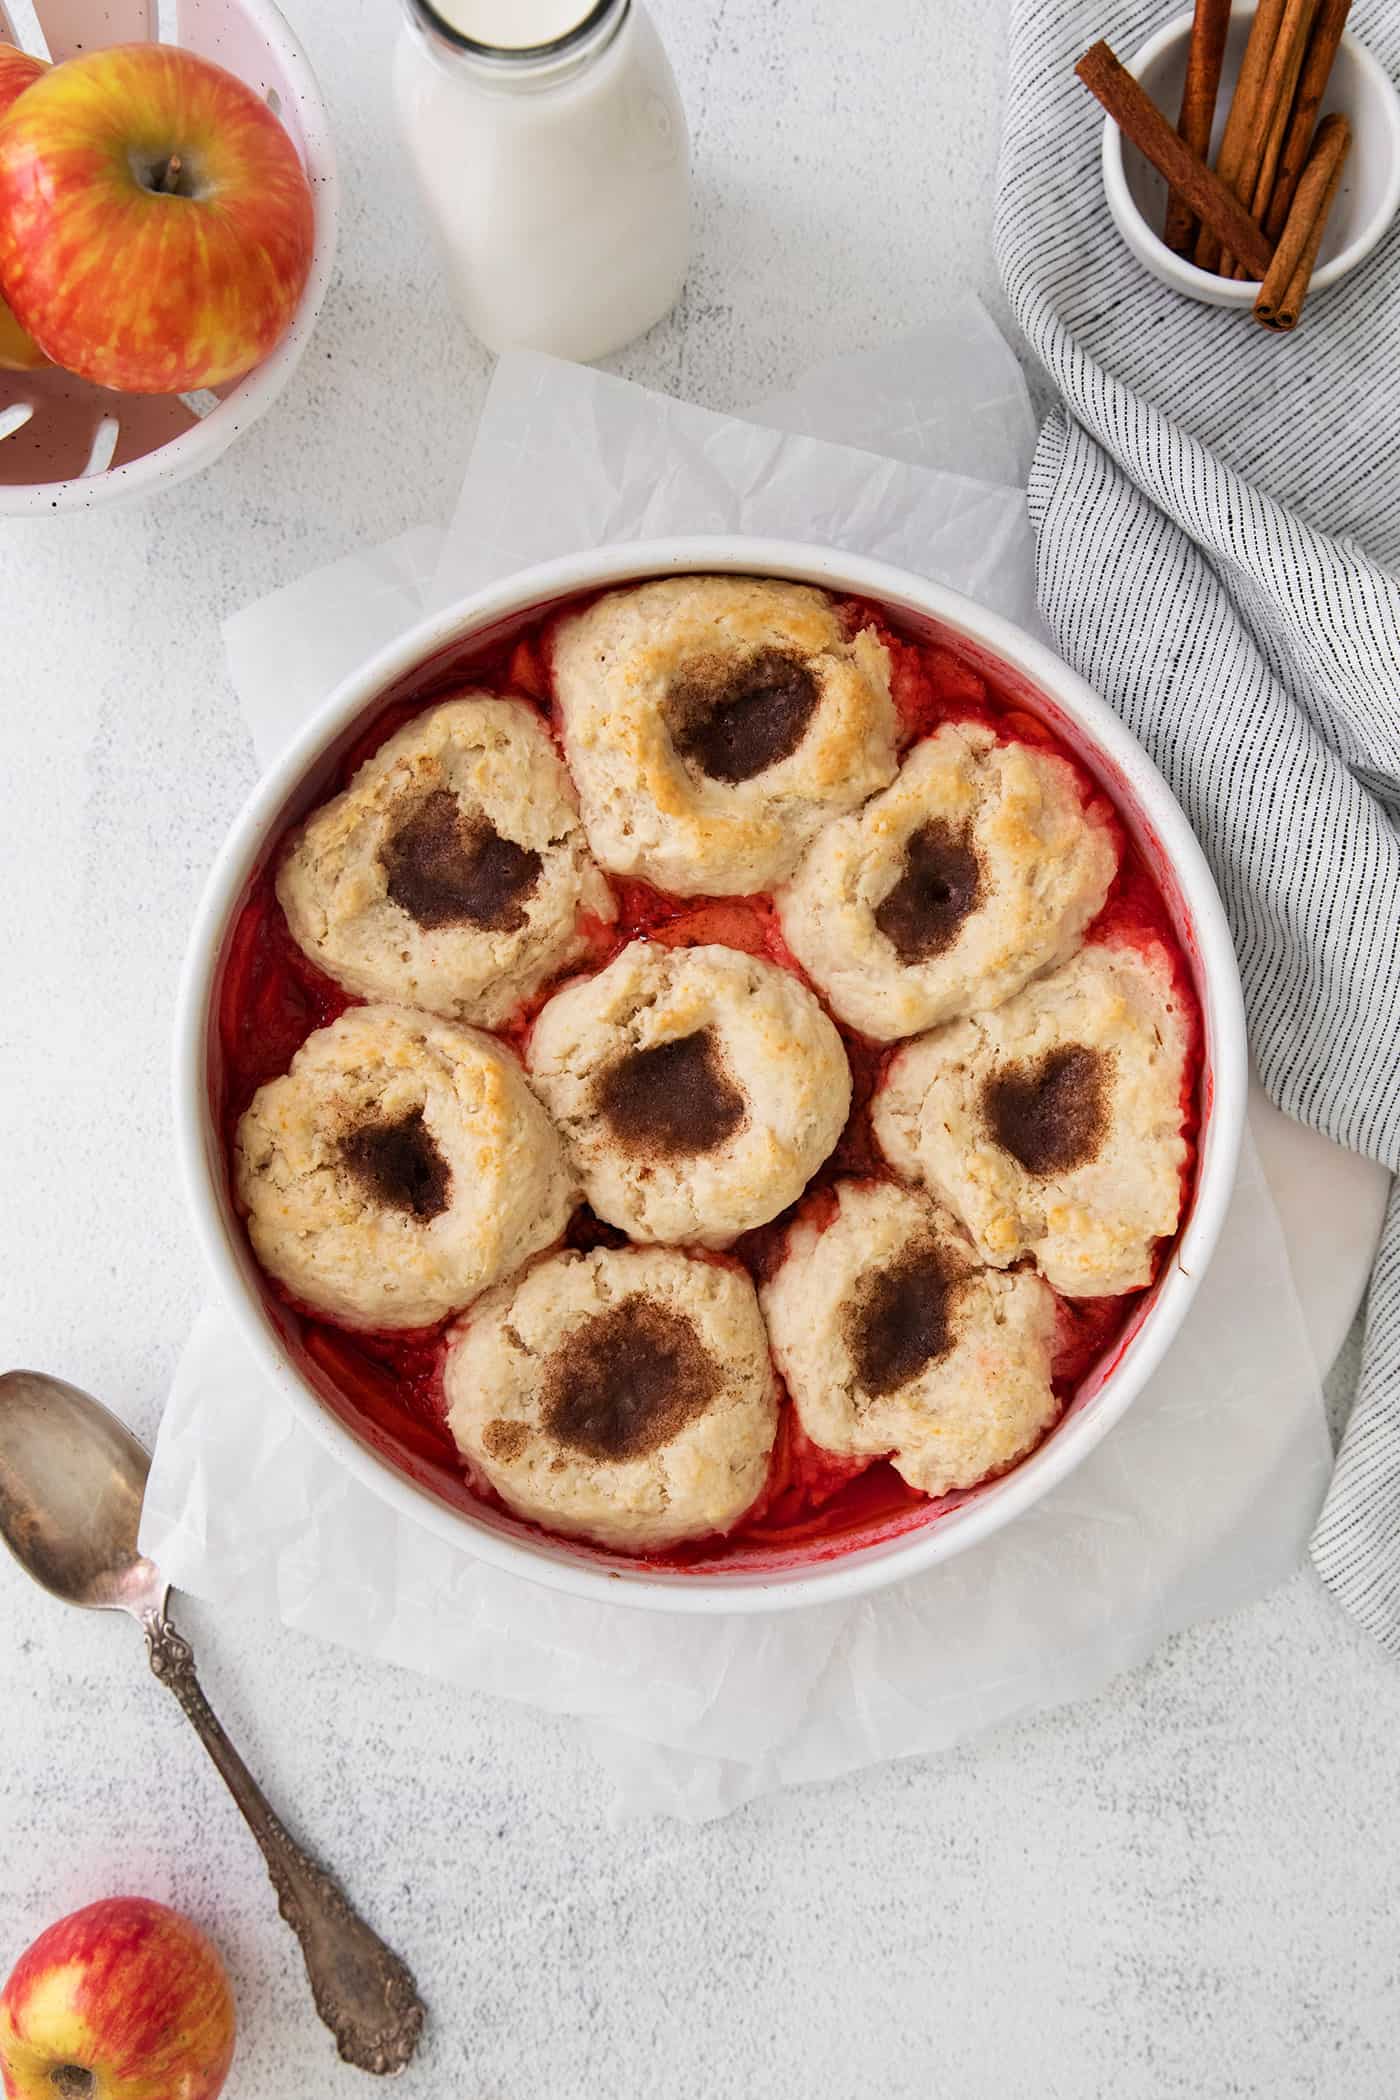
[(397, 1169), (895, 1341), (1053, 1126), (982, 864), (453, 873), (697, 1090), (713, 724), (624, 1396)]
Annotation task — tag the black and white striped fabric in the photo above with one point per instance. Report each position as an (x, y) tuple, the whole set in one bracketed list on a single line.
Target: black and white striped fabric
[(1217, 514)]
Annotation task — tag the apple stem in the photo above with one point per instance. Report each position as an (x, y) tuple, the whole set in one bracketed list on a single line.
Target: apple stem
[(72, 2081), (171, 176)]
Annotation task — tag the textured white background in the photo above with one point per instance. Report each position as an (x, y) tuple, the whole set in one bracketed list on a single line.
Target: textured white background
[(1186, 1887)]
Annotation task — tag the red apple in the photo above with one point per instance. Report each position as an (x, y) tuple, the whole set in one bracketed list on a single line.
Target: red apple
[(17, 72), (18, 352), (125, 2000), (155, 222)]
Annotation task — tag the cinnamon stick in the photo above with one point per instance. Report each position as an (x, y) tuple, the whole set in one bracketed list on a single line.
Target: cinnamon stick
[(1285, 286), (1204, 56), (1254, 69), (1278, 130), (1280, 79), (1140, 120), (1328, 24)]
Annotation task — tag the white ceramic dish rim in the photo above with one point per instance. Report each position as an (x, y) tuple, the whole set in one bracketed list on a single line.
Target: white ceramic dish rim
[(864, 1568), (254, 394), (1204, 283)]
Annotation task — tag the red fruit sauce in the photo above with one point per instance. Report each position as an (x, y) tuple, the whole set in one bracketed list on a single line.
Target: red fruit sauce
[(388, 1387)]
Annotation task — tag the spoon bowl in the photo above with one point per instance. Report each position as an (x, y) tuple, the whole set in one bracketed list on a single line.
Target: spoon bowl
[(72, 1478)]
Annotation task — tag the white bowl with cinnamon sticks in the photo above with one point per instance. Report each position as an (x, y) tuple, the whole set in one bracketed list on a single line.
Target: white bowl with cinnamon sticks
[(1251, 156)]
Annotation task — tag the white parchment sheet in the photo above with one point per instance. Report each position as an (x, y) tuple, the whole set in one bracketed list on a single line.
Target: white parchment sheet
[(1203, 1496)]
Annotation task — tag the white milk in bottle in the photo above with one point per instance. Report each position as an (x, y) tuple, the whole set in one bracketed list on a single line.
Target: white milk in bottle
[(549, 143)]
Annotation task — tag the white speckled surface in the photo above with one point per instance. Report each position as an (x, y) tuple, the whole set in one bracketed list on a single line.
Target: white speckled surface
[(1186, 1887)]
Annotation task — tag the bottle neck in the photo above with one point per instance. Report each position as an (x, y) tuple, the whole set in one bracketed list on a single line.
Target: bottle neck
[(523, 69)]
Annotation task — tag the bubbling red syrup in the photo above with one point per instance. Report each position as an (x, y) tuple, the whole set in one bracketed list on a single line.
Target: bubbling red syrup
[(388, 1386)]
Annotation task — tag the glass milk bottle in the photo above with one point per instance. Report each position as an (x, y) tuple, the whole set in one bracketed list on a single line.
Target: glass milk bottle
[(549, 143)]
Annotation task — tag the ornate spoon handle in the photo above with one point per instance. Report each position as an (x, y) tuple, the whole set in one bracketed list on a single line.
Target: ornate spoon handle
[(363, 1992)]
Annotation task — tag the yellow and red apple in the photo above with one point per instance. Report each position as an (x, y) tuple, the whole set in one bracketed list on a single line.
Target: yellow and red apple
[(18, 352), (125, 2000), (156, 225)]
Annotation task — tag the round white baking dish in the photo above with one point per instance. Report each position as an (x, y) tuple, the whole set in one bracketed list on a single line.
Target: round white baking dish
[(1045, 686)]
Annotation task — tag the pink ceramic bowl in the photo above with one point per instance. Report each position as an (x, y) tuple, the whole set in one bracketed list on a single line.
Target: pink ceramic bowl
[(417, 1483)]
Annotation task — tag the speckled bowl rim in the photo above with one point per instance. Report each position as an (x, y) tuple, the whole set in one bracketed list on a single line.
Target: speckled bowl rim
[(553, 1562)]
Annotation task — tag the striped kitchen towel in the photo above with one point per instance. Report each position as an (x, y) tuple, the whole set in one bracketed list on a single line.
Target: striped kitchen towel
[(1218, 535)]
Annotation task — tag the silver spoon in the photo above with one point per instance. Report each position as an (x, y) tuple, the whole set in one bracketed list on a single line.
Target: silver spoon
[(72, 1478)]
